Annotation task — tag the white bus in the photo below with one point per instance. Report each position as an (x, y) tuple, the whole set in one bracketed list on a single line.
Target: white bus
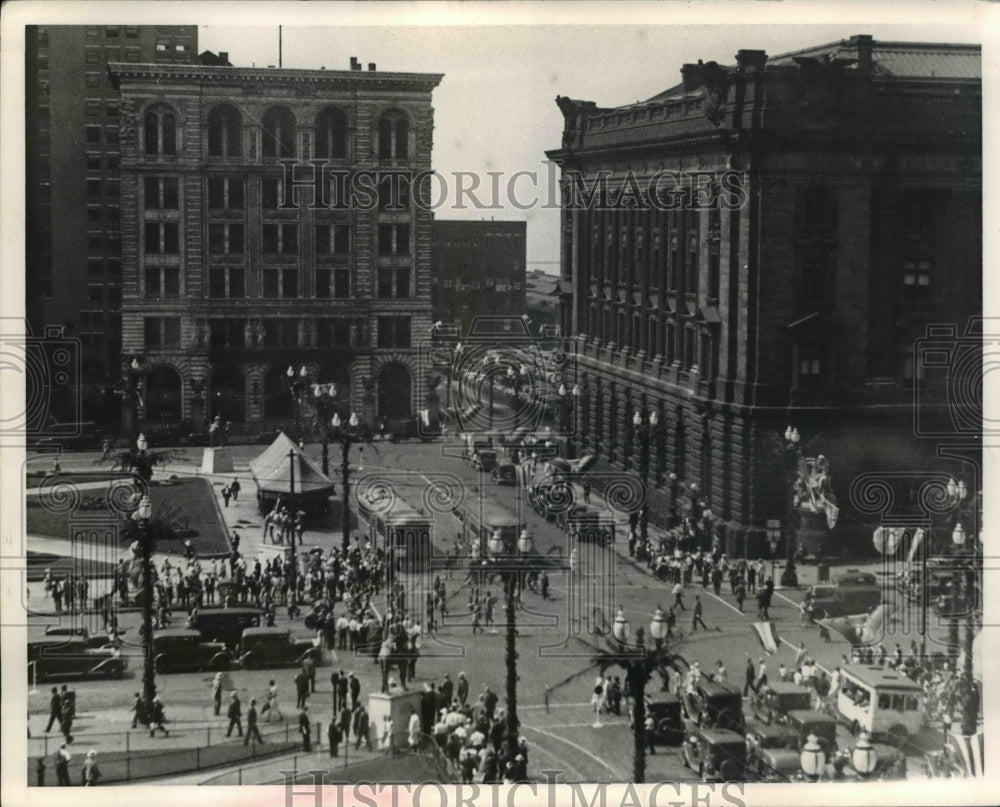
[(880, 701)]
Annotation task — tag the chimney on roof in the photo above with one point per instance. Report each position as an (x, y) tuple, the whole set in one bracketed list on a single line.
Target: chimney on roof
[(224, 58), (371, 66), (355, 64), (751, 61), (692, 76), (865, 45)]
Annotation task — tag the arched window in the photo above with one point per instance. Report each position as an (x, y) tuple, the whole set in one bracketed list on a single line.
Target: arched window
[(331, 134), (225, 132), (393, 134), (160, 131), (279, 132)]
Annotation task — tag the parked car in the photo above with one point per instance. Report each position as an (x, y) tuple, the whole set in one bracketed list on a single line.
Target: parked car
[(484, 460), (773, 765), (834, 600), (59, 657), (227, 624), (854, 578), (668, 720), (274, 647), (182, 650), (804, 722), (82, 633), (764, 735), (505, 473), (715, 705), (772, 702), (716, 755)]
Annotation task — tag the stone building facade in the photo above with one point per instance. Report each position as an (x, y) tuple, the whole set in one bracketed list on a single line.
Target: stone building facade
[(269, 220), (766, 244)]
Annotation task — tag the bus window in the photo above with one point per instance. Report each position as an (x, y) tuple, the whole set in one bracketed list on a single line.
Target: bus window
[(884, 701), (912, 704)]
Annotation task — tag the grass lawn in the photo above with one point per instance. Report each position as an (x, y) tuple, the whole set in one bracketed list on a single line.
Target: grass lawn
[(403, 768), (188, 505), (62, 565)]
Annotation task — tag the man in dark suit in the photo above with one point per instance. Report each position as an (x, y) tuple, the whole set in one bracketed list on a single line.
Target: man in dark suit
[(447, 689), (345, 724), (361, 728), (252, 730), (355, 686), (463, 688), (55, 710), (235, 715), (490, 701), (334, 735), (305, 729)]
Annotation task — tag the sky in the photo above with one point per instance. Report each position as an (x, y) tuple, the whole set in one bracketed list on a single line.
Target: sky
[(495, 108)]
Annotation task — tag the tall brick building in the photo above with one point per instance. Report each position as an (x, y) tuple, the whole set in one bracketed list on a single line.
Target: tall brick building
[(72, 190), (762, 245), (479, 268), (249, 245)]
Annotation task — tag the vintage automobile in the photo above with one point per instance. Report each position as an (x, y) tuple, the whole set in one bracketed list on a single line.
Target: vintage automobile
[(274, 647), (226, 625), (716, 755), (484, 460), (667, 720), (764, 735), (773, 765), (804, 722), (834, 600), (59, 656), (505, 473), (772, 702), (182, 650), (714, 705), (83, 633)]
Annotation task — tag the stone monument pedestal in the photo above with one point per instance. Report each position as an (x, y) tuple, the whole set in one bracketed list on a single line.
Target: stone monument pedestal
[(396, 705), (217, 461)]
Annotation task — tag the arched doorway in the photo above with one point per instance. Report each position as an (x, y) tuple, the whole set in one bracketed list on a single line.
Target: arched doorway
[(163, 397), (227, 395), (394, 391), (278, 403)]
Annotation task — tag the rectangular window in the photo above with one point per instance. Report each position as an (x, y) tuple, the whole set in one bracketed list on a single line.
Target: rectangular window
[(281, 239), (93, 109), (394, 239), (162, 332), (95, 268), (93, 56), (93, 189), (281, 282), (810, 365), (333, 239), (225, 238), (162, 238), (226, 281), (916, 280), (394, 282), (225, 193), (714, 271), (161, 193), (227, 332), (93, 162), (341, 283), (94, 135), (163, 281), (693, 267), (690, 357), (393, 332), (281, 332), (111, 33), (93, 81), (322, 283), (131, 32)]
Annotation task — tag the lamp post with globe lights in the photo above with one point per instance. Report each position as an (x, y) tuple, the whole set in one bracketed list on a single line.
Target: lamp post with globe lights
[(639, 663), (142, 515), (298, 383), (864, 757), (510, 560), (347, 434), (644, 427), (812, 758), (964, 602)]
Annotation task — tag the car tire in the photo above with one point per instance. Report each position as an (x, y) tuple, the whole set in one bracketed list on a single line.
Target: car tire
[(250, 662), (162, 665)]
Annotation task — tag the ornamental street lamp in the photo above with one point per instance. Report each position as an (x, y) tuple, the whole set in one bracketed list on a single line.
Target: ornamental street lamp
[(142, 515), (297, 383), (964, 600), (864, 757), (131, 390), (639, 663), (324, 397), (510, 562), (347, 435), (812, 758), (644, 428), (567, 411)]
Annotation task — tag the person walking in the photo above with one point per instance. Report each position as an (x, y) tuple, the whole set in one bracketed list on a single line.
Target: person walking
[(55, 710), (761, 679), (334, 736), (67, 699), (342, 691), (301, 689), (750, 677), (157, 718), (543, 582), (91, 772), (696, 619), (586, 492), (345, 724), (139, 711), (462, 690), (741, 594), (413, 730), (309, 667), (335, 686), (235, 715), (63, 756), (271, 706), (721, 676), (355, 687), (225, 495), (217, 693), (362, 728), (678, 592), (253, 732), (234, 489), (305, 729), (751, 578)]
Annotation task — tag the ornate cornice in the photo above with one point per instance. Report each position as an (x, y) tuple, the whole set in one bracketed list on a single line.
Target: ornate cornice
[(415, 82)]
